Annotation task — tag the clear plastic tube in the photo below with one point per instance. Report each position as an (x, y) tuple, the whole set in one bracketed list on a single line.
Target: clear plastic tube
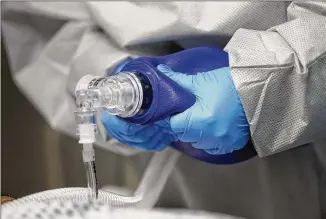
[(92, 184), (145, 196), (90, 169)]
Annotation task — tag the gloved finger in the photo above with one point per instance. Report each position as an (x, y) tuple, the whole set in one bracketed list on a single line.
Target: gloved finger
[(158, 142), (181, 124), (165, 142), (111, 122), (186, 81), (120, 129), (164, 125), (149, 138), (122, 137)]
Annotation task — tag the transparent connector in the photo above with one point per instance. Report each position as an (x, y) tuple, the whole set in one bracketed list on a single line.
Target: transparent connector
[(86, 130), (86, 127), (120, 95)]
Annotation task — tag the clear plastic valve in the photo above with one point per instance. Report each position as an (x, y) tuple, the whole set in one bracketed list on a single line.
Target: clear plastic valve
[(119, 95)]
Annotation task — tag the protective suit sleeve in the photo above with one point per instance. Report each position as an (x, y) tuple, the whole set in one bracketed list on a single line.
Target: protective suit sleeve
[(280, 75)]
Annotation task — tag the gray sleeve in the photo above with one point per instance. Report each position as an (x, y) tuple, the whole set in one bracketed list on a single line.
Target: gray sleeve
[(280, 75)]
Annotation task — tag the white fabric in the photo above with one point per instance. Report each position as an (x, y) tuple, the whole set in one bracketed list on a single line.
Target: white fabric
[(281, 77), (91, 210)]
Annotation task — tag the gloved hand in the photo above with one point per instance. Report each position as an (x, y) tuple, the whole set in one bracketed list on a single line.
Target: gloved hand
[(216, 123), (153, 137)]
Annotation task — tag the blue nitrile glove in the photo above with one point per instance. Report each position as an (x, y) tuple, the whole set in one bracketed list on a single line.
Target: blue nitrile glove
[(216, 123), (153, 137)]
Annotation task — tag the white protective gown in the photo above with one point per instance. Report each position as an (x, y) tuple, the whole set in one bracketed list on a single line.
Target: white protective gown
[(277, 56)]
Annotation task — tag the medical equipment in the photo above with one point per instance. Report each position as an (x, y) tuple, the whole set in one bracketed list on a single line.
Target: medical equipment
[(87, 129), (140, 94), (120, 95)]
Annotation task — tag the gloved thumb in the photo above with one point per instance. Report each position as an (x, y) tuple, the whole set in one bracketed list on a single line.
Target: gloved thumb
[(182, 79)]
